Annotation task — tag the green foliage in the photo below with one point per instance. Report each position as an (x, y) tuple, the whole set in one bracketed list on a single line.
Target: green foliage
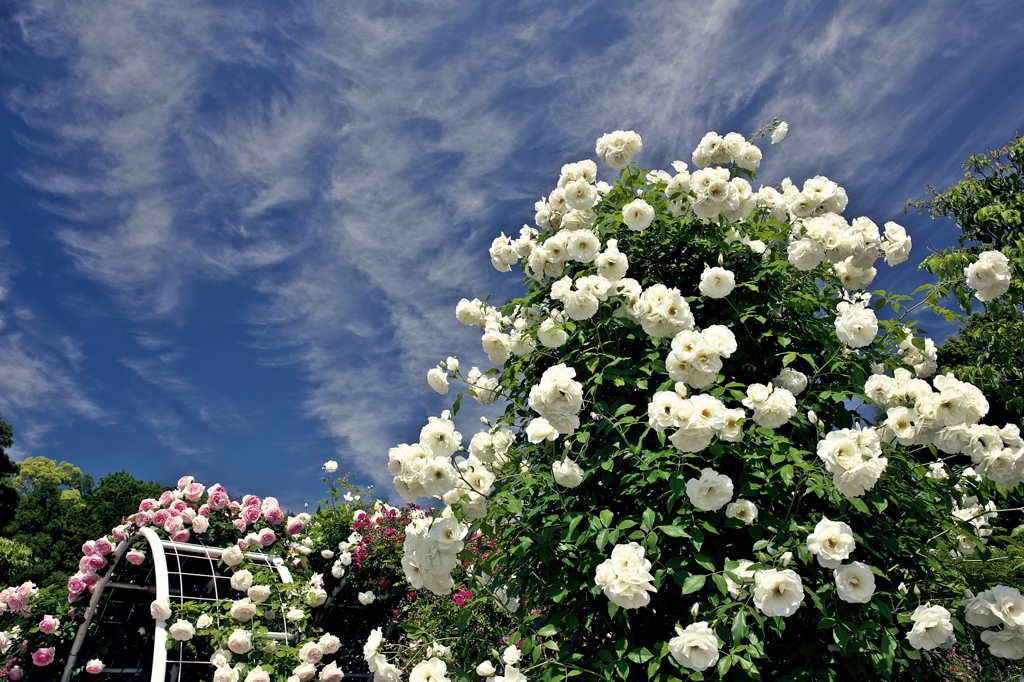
[(987, 206), (14, 558)]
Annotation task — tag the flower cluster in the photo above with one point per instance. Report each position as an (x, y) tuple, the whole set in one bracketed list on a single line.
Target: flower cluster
[(1001, 607), (626, 577), (854, 458), (431, 553), (18, 599)]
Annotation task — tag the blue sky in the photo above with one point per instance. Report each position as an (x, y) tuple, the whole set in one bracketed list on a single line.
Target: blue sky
[(232, 234)]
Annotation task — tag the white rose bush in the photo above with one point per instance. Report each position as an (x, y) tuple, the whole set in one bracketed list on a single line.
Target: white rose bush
[(718, 457)]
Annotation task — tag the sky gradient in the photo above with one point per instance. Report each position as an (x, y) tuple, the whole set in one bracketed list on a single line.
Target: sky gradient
[(233, 234)]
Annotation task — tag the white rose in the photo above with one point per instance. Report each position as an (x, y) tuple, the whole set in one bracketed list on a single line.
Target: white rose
[(259, 593), (432, 670), (241, 580), (225, 674), (790, 379), (567, 473), (329, 643), (778, 593), (345, 558), (779, 134), (696, 647), (304, 672), (232, 556), (638, 215), (220, 658), (330, 466), (717, 282), (744, 510), (1004, 643), (200, 524), (243, 610), (856, 326), (618, 148), (204, 621), (181, 631), (831, 542), (331, 673), (239, 642), (367, 598), (438, 380), (581, 304), (932, 627), (583, 246), (855, 583), (511, 655), (160, 609), (897, 244), (258, 674), (989, 275), (805, 254), (311, 652), (486, 669), (711, 491)]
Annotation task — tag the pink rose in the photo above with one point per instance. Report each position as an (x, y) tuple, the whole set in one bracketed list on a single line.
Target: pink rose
[(71, 613), (48, 624), (295, 526), (26, 589), (274, 515), (135, 557), (15, 673), (251, 501), (185, 481), (90, 579), (181, 536), (142, 519), (119, 533), (215, 487), (76, 584), (43, 656), (243, 544), (267, 537), (95, 666), (218, 500), (188, 514), (251, 515), (15, 602), (97, 562), (239, 524), (85, 564), (103, 547), (89, 548), (160, 517), (165, 498), (234, 505), (194, 491), (72, 597), (204, 510), (148, 504), (179, 506)]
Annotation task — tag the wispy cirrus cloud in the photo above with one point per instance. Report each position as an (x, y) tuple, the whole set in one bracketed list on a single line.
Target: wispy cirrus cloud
[(348, 165)]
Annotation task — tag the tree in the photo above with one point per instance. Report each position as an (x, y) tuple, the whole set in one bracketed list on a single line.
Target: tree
[(987, 206), (681, 481), (8, 469)]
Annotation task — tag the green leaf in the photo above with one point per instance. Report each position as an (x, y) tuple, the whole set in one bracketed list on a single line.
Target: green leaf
[(648, 520), (548, 630), (739, 627), (623, 409), (720, 583), (606, 517), (674, 531), (693, 583)]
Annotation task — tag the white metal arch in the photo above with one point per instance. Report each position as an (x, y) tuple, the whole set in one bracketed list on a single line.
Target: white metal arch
[(160, 548)]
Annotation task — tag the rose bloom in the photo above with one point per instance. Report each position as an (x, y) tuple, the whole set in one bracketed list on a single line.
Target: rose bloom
[(432, 670), (240, 642), (259, 593), (638, 215), (329, 643), (274, 515), (831, 542), (304, 672), (94, 667), (160, 609), (48, 625), (744, 510), (241, 580), (243, 610), (204, 621), (194, 491), (1007, 643), (932, 627), (134, 557), (311, 652), (855, 583), (711, 491), (181, 631), (778, 593), (217, 500), (567, 473), (717, 282), (43, 656), (225, 674), (295, 526), (103, 547), (331, 673), (232, 556), (267, 537), (696, 647), (251, 515), (258, 674)]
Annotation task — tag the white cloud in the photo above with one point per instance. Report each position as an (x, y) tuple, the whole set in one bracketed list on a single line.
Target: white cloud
[(352, 164)]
